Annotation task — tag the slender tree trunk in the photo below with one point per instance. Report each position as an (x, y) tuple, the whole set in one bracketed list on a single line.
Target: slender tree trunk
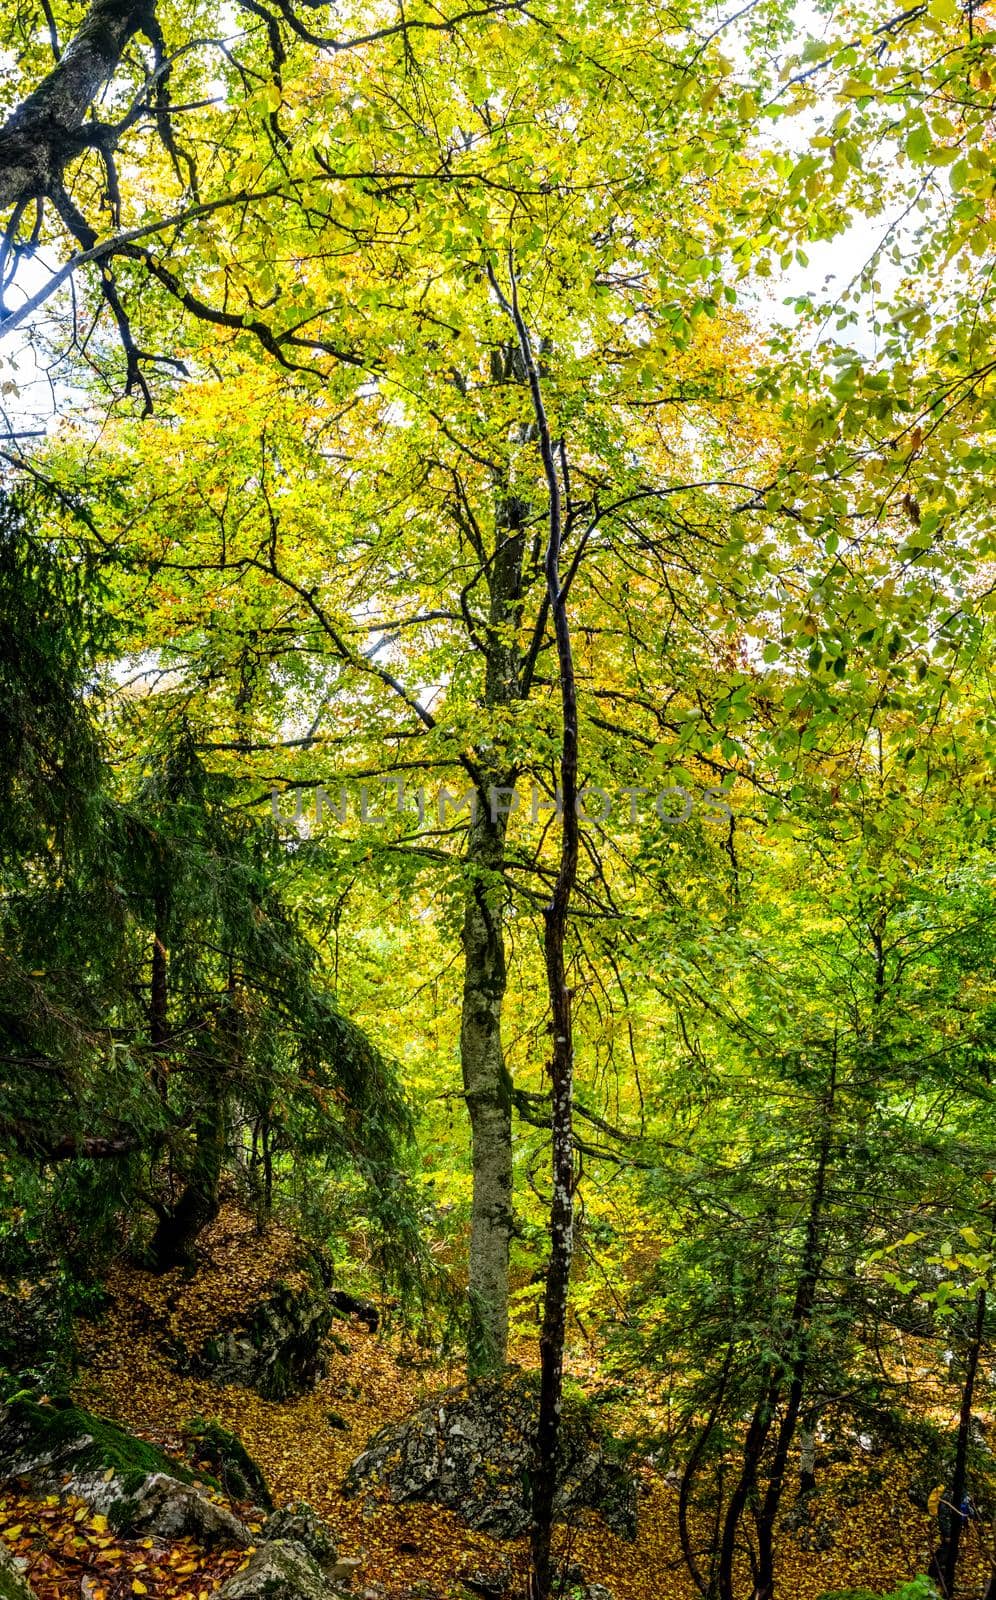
[(746, 1485), (487, 1094), (945, 1559), (807, 1457), (702, 1583), (178, 1230), (802, 1311), (553, 1334), (486, 1081)]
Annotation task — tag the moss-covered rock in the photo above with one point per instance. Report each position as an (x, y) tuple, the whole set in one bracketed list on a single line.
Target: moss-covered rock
[(276, 1349), (63, 1449), (299, 1524), (225, 1457), (13, 1584), (59, 1438), (471, 1450), (280, 1570)]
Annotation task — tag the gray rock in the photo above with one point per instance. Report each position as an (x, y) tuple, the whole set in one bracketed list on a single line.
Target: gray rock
[(470, 1450), (60, 1449), (490, 1582), (276, 1350), (299, 1524), (172, 1510), (13, 1584), (279, 1570), (345, 1570)]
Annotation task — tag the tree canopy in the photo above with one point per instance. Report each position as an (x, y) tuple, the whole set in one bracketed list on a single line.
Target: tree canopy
[(496, 708)]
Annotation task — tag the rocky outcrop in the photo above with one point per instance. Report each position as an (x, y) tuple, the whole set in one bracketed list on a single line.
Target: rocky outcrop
[(164, 1506), (471, 1450), (281, 1569), (141, 1490), (13, 1584), (45, 1443), (298, 1524), (214, 1450), (276, 1350)]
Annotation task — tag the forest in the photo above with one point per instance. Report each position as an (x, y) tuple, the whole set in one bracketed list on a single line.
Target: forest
[(497, 806)]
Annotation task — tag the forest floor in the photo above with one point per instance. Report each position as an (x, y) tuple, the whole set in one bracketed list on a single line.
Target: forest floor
[(409, 1550)]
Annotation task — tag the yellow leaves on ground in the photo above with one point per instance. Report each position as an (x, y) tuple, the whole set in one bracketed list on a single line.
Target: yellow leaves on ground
[(877, 1536), (69, 1554), (240, 1269)]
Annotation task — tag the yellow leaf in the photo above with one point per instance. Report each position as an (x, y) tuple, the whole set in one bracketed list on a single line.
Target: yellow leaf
[(138, 1587)]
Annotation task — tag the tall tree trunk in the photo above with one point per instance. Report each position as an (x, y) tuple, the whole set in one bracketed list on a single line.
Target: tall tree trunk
[(802, 1310), (487, 1094), (807, 1457), (704, 1584), (179, 1228), (486, 1082), (552, 1337), (945, 1560)]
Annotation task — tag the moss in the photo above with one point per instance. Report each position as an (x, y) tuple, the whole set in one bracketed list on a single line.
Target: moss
[(229, 1460), (12, 1585), (101, 1444), (121, 1514), (919, 1589)]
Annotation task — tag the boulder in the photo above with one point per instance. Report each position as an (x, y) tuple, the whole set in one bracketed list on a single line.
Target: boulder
[(345, 1570), (46, 1443), (275, 1350), (225, 1457), (13, 1584), (164, 1506), (298, 1524), (470, 1450), (62, 1449), (281, 1569)]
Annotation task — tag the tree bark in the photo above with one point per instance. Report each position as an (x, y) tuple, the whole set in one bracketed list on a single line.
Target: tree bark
[(762, 1420), (486, 1081), (199, 1203), (487, 1092), (944, 1564), (702, 1583), (807, 1458), (802, 1311), (553, 1335), (47, 1146), (179, 1227), (42, 135)]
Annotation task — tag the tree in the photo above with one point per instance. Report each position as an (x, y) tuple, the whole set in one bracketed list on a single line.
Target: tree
[(202, 997)]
